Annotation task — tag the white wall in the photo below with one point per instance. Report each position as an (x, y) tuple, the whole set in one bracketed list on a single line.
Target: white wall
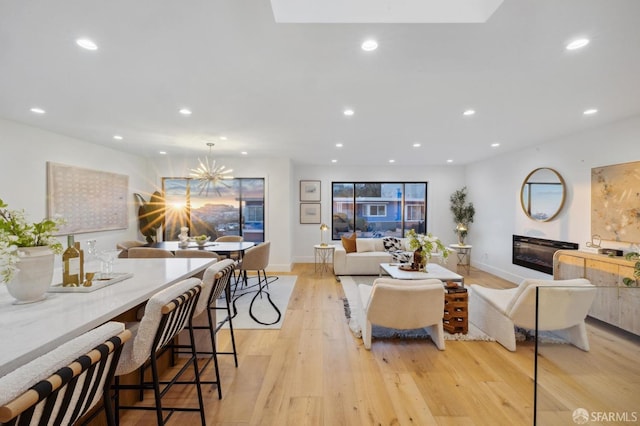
[(442, 182), (494, 188), (23, 174), (278, 195)]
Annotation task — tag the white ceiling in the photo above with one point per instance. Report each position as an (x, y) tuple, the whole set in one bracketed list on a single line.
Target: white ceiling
[(383, 11), (278, 90)]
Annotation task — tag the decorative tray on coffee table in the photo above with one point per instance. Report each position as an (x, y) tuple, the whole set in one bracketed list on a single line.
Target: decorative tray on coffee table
[(98, 283), (407, 267)]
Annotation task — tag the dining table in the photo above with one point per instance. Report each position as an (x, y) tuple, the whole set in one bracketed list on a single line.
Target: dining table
[(28, 331), (221, 247)]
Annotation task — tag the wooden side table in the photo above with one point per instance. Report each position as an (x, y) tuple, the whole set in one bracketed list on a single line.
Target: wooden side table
[(322, 257), (464, 256), (456, 309)]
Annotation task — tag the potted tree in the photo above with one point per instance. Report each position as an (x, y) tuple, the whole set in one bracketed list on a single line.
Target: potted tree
[(463, 213)]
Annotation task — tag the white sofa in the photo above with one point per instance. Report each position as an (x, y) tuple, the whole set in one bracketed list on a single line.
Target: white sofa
[(369, 254), (365, 261)]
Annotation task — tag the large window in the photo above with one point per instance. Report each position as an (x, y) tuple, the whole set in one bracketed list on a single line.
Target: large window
[(376, 209), (236, 207)]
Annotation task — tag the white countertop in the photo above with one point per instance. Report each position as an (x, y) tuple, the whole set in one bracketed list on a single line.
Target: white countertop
[(30, 330)]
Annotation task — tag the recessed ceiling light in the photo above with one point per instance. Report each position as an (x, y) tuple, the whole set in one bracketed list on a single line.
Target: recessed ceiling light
[(37, 110), (495, 145), (244, 153), (416, 145), (369, 45), (334, 161), (185, 111), (85, 43), (449, 160), (590, 111), (118, 137), (469, 112), (577, 44), (392, 161), (223, 138), (163, 152), (348, 112), (339, 145)]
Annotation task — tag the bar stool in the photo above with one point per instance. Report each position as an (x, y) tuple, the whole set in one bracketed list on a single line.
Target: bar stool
[(216, 280), (63, 385), (166, 314)]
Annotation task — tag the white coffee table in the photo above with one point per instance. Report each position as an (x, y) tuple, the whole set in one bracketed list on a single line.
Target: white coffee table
[(434, 271)]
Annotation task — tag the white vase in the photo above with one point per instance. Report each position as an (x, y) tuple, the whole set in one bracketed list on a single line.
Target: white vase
[(34, 274)]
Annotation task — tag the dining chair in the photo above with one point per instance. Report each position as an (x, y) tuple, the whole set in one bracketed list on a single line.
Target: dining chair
[(215, 281), (148, 252), (196, 253), (126, 245), (63, 385), (230, 239), (255, 259), (166, 314)]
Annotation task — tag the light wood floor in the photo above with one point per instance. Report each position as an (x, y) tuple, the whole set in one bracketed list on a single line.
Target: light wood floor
[(314, 372)]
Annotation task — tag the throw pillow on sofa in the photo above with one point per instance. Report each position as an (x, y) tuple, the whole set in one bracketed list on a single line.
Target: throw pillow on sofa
[(349, 243), (396, 247), (391, 244), (364, 245)]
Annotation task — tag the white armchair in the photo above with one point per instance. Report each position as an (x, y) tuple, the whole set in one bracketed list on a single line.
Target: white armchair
[(403, 305), (564, 304)]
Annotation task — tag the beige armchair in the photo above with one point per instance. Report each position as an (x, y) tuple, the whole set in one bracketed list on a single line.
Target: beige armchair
[(563, 306), (403, 305)]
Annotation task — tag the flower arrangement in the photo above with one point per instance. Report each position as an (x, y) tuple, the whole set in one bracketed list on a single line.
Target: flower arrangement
[(427, 244), (16, 232)]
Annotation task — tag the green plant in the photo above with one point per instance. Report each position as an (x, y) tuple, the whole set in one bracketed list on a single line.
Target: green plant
[(427, 244), (628, 281), (463, 212), (150, 215), (16, 232)]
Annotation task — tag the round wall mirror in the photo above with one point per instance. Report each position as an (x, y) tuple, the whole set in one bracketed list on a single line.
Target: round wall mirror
[(542, 194)]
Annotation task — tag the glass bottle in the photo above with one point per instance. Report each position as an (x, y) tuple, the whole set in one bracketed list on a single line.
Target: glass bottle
[(81, 277), (71, 264)]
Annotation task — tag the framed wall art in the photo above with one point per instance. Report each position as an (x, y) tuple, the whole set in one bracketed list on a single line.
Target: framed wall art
[(615, 215), (310, 213), (88, 200), (309, 190)]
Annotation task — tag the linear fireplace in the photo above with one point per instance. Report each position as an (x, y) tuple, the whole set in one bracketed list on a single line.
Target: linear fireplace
[(537, 253)]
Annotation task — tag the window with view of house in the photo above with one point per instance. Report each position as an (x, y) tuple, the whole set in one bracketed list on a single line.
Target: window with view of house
[(376, 209), (235, 207)]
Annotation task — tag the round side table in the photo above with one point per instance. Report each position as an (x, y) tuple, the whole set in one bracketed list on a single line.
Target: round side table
[(464, 256), (322, 257)]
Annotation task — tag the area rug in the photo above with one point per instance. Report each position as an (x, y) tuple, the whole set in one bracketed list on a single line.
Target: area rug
[(264, 308), (353, 305)]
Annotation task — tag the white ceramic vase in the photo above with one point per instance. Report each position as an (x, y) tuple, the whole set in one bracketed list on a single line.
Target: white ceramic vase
[(34, 274)]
